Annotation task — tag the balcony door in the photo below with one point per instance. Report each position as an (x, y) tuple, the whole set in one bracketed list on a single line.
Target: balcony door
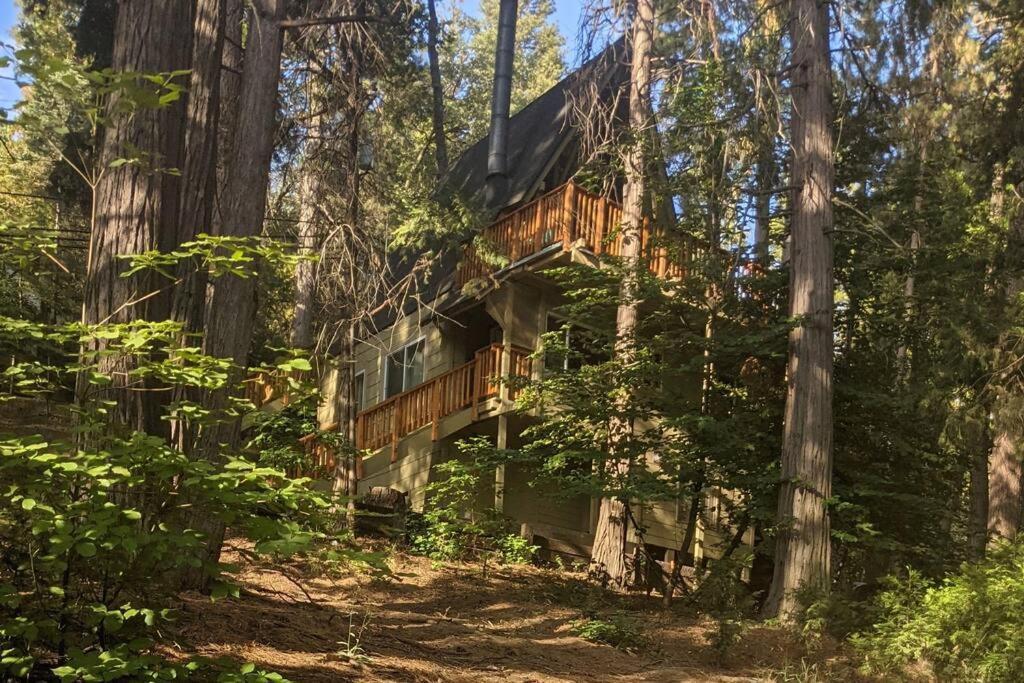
[(403, 369)]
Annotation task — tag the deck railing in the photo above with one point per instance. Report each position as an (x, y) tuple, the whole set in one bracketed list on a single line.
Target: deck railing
[(463, 387), (567, 215), (320, 457), (264, 387)]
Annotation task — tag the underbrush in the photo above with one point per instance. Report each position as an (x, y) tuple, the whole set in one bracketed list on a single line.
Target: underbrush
[(969, 627), (94, 553), (453, 528), (273, 437), (617, 629)]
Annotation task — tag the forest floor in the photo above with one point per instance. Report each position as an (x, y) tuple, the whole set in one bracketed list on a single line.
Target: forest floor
[(457, 623)]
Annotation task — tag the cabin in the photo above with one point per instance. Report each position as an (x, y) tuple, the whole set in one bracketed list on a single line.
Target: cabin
[(426, 376)]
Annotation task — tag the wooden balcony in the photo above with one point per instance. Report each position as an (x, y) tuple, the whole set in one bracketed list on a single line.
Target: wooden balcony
[(570, 216), (466, 386)]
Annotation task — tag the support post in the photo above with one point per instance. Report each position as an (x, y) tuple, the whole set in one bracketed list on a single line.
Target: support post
[(499, 471), (476, 382)]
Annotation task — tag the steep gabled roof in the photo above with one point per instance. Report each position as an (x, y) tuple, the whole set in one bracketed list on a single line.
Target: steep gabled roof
[(540, 134), (537, 134)]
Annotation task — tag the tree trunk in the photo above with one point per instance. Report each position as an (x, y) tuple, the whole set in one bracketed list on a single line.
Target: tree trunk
[(608, 556), (1004, 466), (199, 169), (308, 236), (766, 175), (440, 143), (802, 551), (231, 300), (977, 515), (232, 65), (345, 469), (1004, 489), (198, 178), (903, 352), (229, 313), (136, 205)]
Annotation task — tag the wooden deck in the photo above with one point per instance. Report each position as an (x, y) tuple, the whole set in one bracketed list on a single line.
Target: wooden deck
[(569, 216), (465, 386), (386, 423)]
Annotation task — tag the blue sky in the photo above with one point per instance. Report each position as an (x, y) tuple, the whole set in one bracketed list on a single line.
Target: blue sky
[(8, 15), (567, 15)]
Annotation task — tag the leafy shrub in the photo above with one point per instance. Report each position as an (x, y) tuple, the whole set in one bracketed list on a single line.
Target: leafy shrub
[(617, 629), (723, 597), (98, 532), (453, 528), (514, 549), (273, 436), (970, 627), (92, 549), (836, 614)]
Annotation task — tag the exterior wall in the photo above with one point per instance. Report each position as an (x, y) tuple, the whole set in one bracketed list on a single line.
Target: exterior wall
[(539, 507), (521, 308), (369, 359), (411, 473)]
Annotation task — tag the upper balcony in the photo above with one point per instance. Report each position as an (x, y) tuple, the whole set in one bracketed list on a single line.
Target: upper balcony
[(569, 216)]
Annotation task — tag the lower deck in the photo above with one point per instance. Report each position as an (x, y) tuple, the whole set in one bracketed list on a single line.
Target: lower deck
[(556, 522)]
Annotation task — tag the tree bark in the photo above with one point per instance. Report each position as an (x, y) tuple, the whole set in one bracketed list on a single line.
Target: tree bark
[(229, 313), (231, 300), (1004, 489), (199, 168), (346, 481), (440, 143), (977, 516), (803, 551), (608, 556), (232, 66), (766, 175), (136, 205), (198, 178), (308, 236), (1005, 473)]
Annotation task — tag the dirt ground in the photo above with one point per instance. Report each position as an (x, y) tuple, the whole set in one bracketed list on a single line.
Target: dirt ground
[(455, 624)]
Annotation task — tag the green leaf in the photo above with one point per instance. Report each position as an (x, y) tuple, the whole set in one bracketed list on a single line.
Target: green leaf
[(28, 504), (86, 549)]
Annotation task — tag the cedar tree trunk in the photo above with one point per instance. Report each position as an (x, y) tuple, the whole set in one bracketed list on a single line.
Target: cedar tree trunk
[(136, 205), (803, 551), (608, 557)]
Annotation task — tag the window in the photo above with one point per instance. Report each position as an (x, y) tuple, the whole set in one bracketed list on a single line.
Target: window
[(403, 369), (359, 384), (571, 346)]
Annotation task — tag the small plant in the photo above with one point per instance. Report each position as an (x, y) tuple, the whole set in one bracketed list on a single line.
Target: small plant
[(514, 549), (248, 673), (722, 596), (801, 672), (453, 528), (351, 648), (274, 436), (617, 629)]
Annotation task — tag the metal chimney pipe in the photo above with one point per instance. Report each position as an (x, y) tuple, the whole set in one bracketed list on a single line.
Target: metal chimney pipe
[(501, 97)]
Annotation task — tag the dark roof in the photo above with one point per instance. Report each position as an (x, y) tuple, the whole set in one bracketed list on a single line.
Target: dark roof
[(537, 134)]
